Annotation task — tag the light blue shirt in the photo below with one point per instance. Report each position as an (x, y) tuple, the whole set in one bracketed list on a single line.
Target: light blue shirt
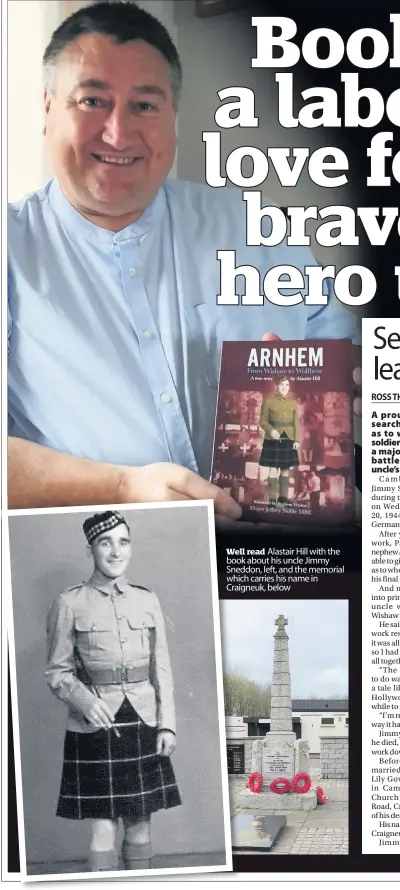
[(115, 338)]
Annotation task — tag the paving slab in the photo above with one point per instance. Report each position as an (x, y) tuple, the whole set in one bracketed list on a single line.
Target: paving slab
[(329, 823)]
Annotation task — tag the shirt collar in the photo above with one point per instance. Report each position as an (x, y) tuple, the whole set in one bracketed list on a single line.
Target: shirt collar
[(82, 227), (120, 586)]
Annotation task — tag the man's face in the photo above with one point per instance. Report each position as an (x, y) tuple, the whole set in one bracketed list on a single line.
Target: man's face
[(110, 127), (283, 387), (112, 552)]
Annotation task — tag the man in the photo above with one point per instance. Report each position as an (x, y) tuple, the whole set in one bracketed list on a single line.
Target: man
[(115, 334), (108, 660), (279, 420), (251, 405), (314, 487)]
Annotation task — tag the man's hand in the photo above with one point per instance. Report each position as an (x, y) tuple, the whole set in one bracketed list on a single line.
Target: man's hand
[(40, 477), (275, 434), (170, 482), (296, 445), (166, 742), (99, 715)]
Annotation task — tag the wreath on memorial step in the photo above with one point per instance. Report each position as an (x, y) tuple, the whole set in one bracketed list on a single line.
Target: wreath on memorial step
[(255, 782), (301, 783), (281, 786)]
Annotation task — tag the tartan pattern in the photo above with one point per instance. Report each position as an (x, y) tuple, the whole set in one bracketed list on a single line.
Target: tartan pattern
[(279, 453), (105, 777), (101, 522)]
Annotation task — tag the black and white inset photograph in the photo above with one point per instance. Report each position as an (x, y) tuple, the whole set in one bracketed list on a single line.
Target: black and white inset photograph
[(116, 680)]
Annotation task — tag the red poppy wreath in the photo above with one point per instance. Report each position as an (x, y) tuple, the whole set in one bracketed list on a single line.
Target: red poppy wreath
[(301, 783), (280, 786), (320, 795), (255, 782)]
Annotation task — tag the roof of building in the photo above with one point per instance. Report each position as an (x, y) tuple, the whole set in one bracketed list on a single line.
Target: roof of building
[(312, 705), (320, 704)]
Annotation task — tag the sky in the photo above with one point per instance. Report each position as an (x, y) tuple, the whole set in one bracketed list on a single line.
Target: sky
[(318, 642)]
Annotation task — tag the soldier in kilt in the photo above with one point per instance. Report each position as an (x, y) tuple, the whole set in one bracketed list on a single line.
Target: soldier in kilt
[(108, 660), (279, 420)]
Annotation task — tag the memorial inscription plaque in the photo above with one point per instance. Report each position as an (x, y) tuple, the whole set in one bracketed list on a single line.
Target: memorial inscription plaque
[(235, 755), (277, 760)]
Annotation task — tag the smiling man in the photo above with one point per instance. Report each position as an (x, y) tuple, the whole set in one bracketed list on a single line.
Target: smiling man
[(111, 136), (114, 331), (108, 660)]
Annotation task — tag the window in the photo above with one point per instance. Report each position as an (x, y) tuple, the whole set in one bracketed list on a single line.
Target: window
[(214, 7), (327, 721)]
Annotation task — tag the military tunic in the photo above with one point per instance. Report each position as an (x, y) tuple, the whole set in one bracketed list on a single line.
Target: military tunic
[(109, 641), (279, 413)]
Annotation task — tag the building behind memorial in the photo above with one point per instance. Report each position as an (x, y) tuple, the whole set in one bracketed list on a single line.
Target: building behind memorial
[(312, 719)]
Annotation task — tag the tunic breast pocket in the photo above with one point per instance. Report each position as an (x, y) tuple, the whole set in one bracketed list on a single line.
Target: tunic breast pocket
[(139, 633), (92, 635)]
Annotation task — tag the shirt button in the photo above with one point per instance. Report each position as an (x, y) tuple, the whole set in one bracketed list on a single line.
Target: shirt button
[(148, 335), (132, 272), (123, 640), (165, 397)]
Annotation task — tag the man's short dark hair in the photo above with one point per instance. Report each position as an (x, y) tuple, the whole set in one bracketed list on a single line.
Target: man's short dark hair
[(123, 21), (281, 379)]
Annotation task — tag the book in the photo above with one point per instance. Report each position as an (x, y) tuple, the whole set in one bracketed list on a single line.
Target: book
[(284, 440)]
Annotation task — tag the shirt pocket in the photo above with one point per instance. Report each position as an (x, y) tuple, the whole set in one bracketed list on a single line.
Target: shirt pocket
[(140, 631), (212, 324)]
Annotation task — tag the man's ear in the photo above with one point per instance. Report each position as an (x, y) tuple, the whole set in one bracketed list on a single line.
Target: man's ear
[(47, 100), (47, 103)]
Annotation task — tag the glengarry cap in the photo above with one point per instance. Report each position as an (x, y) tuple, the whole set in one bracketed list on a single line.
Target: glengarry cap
[(99, 523)]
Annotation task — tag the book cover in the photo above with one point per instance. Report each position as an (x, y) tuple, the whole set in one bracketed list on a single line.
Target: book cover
[(284, 442)]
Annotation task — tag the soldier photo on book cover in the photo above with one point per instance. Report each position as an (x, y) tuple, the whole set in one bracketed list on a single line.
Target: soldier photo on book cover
[(284, 442)]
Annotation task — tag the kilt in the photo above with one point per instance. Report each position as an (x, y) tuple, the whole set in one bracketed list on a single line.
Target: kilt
[(279, 453), (105, 777)]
